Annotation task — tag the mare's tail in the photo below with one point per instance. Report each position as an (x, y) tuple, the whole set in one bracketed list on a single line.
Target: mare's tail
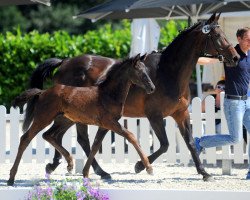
[(30, 96), (43, 71)]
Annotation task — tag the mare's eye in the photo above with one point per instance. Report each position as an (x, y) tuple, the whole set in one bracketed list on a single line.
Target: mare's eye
[(217, 35)]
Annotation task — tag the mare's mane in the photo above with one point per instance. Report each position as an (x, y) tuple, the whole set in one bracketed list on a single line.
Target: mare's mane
[(179, 37)]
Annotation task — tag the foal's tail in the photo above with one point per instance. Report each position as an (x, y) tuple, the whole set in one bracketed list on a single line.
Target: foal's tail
[(30, 96), (43, 71)]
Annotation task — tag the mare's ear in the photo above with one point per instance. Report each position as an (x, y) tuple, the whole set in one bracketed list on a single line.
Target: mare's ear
[(136, 59), (211, 19), (143, 58)]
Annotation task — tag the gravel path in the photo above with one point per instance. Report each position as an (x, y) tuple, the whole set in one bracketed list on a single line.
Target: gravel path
[(166, 176)]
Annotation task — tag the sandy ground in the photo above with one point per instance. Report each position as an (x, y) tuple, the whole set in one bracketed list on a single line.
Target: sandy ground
[(166, 176)]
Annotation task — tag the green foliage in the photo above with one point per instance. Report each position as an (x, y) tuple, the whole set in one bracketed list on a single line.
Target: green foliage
[(48, 19), (10, 16), (109, 42), (20, 53), (169, 31)]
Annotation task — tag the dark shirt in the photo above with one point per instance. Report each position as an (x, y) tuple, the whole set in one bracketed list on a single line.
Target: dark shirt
[(237, 78)]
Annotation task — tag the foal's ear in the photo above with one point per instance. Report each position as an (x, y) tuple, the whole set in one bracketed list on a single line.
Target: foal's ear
[(217, 17), (211, 19), (136, 59), (143, 58)]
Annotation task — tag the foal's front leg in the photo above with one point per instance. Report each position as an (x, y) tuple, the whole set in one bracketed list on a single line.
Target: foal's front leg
[(95, 147), (116, 127), (83, 140)]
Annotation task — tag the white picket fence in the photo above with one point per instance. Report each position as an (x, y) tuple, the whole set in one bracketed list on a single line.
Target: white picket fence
[(202, 123)]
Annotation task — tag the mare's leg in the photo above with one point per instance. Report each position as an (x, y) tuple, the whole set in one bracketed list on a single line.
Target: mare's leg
[(83, 140), (157, 123), (58, 129), (183, 121), (116, 127), (36, 126), (95, 147)]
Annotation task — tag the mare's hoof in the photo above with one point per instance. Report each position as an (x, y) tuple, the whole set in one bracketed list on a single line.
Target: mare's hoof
[(10, 182), (208, 178), (150, 171), (49, 168), (106, 176), (139, 167), (99, 171)]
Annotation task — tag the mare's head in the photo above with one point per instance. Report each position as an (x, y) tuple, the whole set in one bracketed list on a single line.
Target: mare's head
[(216, 44), (138, 73)]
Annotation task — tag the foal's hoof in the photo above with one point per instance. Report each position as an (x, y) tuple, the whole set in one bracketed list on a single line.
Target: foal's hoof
[(10, 182), (208, 178), (139, 167), (70, 169), (150, 170)]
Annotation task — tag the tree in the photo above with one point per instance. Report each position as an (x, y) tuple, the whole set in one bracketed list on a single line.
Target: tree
[(48, 19)]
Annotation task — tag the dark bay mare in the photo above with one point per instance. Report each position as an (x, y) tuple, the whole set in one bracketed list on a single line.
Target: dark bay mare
[(170, 71), (100, 105)]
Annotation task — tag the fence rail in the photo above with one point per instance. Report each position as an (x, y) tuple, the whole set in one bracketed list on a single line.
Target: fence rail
[(116, 148)]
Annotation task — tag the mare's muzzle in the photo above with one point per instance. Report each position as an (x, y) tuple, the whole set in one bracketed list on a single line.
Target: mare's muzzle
[(150, 88)]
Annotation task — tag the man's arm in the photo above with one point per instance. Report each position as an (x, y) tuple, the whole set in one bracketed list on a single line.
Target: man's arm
[(205, 61)]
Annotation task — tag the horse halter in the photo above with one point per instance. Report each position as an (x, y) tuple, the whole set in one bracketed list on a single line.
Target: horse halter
[(206, 29)]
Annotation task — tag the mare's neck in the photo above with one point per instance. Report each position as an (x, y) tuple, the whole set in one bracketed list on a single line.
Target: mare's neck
[(179, 60)]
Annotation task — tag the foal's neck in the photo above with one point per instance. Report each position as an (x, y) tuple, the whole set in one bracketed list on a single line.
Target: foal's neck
[(115, 89)]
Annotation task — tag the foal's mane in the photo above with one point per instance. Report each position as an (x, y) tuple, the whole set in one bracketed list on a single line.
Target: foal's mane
[(103, 79)]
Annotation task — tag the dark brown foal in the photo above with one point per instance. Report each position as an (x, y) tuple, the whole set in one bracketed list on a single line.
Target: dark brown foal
[(101, 105)]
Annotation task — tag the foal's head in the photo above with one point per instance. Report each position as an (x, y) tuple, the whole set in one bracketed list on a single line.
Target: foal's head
[(138, 74), (216, 43)]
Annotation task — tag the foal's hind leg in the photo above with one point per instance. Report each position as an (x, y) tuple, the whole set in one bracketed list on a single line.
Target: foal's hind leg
[(83, 140), (157, 123), (58, 129), (24, 142), (49, 138), (183, 121)]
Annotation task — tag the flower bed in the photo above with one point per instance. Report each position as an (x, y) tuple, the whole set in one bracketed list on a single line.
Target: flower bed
[(79, 189)]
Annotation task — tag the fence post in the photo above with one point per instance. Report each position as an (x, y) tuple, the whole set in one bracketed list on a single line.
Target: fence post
[(226, 160)]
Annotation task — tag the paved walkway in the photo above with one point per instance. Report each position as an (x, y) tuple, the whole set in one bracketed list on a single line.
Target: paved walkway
[(166, 176)]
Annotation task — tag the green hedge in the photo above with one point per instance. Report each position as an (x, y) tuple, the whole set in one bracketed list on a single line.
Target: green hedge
[(20, 53)]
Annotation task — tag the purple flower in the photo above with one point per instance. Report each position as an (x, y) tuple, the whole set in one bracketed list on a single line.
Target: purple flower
[(80, 195), (85, 182)]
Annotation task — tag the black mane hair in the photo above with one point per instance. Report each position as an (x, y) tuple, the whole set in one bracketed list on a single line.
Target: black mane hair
[(102, 80), (179, 36), (168, 50)]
